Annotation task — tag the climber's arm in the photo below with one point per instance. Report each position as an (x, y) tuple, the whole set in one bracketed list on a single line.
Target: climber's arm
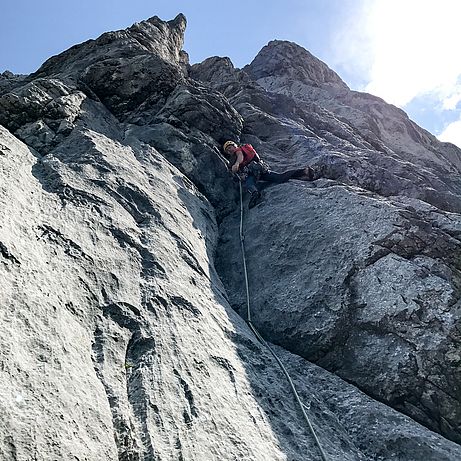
[(238, 161)]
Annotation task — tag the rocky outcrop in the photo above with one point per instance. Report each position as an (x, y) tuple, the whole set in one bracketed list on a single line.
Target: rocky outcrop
[(291, 62), (338, 265), (365, 287), (121, 278), (153, 37), (8, 81), (384, 126)]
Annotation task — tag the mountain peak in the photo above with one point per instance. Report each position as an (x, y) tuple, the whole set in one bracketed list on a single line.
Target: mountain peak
[(151, 36), (281, 58)]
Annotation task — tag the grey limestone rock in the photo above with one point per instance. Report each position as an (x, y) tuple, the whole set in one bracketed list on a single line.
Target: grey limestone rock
[(358, 283), (153, 36), (121, 329), (8, 81), (288, 60)]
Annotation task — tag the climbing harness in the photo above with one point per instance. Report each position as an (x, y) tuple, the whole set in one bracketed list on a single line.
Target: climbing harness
[(264, 342)]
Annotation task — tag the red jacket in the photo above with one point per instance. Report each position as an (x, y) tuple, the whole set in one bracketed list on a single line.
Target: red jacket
[(249, 154)]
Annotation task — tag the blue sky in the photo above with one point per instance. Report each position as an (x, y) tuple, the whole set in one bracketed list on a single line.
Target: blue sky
[(402, 50)]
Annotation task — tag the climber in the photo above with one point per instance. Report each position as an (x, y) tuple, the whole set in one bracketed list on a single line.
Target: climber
[(248, 166)]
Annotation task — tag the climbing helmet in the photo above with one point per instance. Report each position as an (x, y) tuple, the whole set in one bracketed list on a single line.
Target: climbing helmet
[(227, 144)]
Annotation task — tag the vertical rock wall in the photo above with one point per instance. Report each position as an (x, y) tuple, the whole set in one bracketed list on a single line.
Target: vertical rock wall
[(118, 340)]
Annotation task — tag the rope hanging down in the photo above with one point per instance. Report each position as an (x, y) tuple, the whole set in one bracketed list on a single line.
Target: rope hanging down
[(264, 342)]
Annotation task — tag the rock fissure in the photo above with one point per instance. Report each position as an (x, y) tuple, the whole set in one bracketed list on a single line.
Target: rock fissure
[(125, 438), (7, 254)]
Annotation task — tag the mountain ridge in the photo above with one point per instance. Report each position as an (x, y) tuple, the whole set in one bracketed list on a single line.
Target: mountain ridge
[(122, 330)]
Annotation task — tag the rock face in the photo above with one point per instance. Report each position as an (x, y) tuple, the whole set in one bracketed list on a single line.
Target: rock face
[(365, 282), (122, 296)]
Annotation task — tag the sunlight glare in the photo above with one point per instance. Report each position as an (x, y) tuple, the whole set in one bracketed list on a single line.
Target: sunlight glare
[(415, 46)]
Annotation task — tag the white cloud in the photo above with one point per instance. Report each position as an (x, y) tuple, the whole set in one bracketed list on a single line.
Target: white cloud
[(406, 48), (452, 133), (451, 102), (351, 42)]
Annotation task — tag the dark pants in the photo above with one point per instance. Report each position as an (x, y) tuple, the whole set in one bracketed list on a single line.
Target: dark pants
[(271, 176)]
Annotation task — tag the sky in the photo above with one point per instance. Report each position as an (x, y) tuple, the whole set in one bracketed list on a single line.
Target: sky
[(405, 51)]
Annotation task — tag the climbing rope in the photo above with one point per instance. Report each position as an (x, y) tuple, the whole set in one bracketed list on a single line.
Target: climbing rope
[(264, 342)]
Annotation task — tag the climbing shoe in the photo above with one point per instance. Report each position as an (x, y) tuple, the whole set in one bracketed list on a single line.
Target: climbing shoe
[(256, 197), (299, 173), (307, 173)]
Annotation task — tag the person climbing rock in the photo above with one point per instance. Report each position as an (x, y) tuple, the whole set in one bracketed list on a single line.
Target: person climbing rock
[(245, 162)]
